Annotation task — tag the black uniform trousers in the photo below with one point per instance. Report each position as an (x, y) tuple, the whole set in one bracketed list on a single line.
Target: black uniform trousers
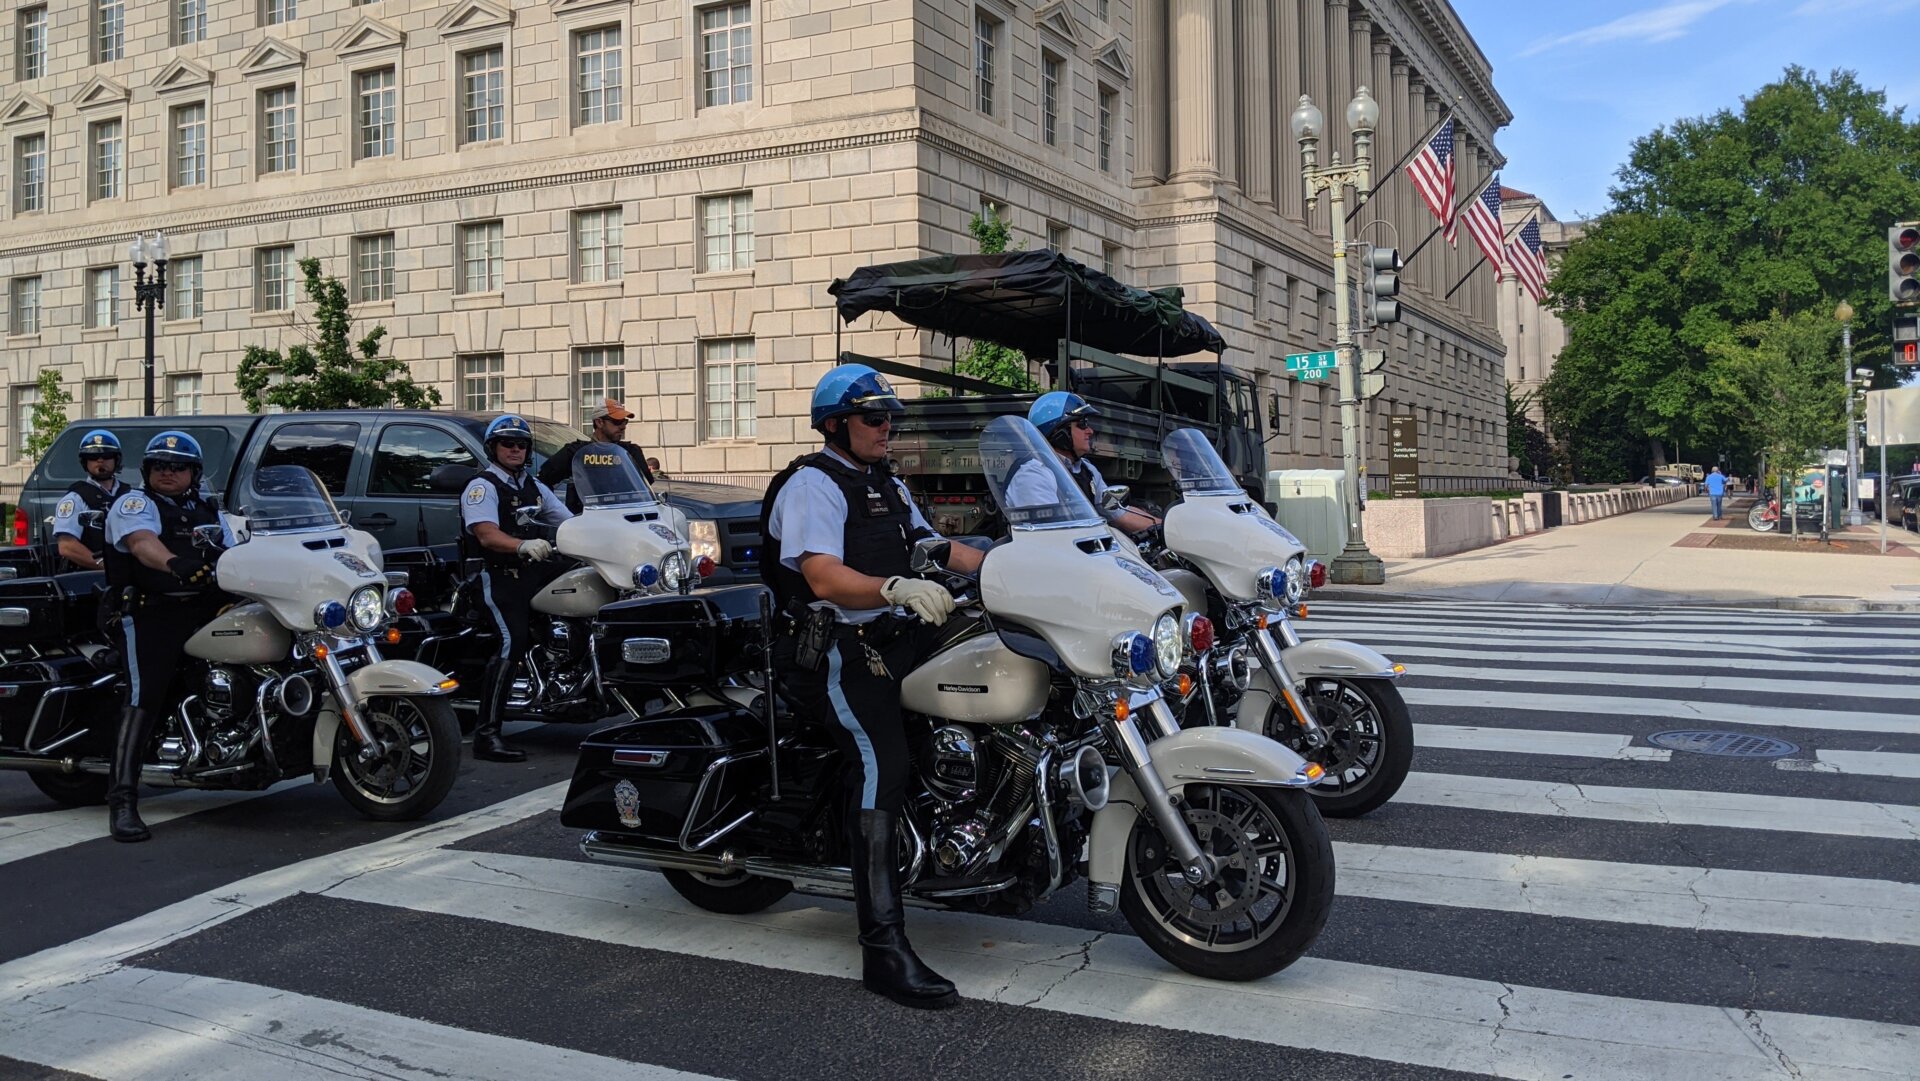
[(154, 632), (506, 595), (861, 708)]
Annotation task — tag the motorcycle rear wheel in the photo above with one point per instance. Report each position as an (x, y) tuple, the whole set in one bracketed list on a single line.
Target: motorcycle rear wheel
[(417, 771), (1372, 731), (1266, 906), (732, 895), (72, 789)]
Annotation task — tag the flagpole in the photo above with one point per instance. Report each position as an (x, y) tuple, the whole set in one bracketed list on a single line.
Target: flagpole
[(1439, 228), (1483, 256), (1446, 115)]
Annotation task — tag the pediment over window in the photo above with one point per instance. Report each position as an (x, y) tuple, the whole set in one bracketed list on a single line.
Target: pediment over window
[(472, 15), (1058, 17), (271, 56), (99, 92), (1113, 57), (564, 8), (181, 75), (369, 35), (25, 108)]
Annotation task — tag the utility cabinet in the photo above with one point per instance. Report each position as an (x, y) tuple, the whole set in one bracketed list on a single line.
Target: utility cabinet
[(1311, 503)]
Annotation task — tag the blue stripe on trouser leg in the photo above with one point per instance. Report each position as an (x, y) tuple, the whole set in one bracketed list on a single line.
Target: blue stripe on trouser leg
[(133, 662), (869, 762), (486, 596)]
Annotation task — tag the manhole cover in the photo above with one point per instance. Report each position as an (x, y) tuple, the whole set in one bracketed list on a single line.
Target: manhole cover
[(1724, 744)]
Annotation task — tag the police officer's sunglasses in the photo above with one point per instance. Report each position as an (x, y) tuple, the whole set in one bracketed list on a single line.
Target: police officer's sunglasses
[(875, 420), (515, 444), (1083, 424), (170, 467)]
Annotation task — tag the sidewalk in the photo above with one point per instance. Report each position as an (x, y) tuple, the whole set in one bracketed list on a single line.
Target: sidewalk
[(1670, 555)]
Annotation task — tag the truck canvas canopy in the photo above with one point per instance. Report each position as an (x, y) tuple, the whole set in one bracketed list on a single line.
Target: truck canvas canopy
[(1029, 301)]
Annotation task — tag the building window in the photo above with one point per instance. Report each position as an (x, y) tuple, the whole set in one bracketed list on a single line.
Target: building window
[(1112, 264), (107, 158), (483, 95), (30, 62), (273, 279), (186, 288), (23, 295), (1109, 110), (30, 174), (1100, 8), (189, 21), (279, 126), (482, 267), (373, 267), (726, 54), (728, 363), (1262, 289), (378, 112), (183, 395), (726, 232), (597, 253), (600, 373), (189, 145), (596, 76), (24, 399), (1057, 237), (986, 51), (1051, 68), (1283, 301), (483, 382), (109, 30), (275, 12), (103, 398), (103, 296)]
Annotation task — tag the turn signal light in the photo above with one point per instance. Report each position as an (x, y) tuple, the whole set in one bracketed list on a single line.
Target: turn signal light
[(1201, 629), (1121, 711), (447, 684), (392, 637), (1399, 669), (1315, 771), (1186, 684), (1301, 611), (1317, 574), (705, 566), (402, 602), (320, 652), (1263, 621)]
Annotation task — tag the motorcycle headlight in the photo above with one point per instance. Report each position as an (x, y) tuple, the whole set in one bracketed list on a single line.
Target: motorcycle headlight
[(1167, 646), (1296, 580), (673, 571), (704, 533), (645, 575), (367, 608)]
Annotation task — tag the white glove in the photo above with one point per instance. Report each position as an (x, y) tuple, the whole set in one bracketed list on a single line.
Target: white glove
[(928, 600), (535, 550)]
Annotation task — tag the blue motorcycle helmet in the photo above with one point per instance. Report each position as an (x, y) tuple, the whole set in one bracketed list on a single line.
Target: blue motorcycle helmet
[(173, 446), (853, 388), (1053, 411), (99, 443), (506, 426)]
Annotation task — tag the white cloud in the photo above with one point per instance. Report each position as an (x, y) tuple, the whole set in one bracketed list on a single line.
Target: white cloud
[(1649, 27), (1835, 7)]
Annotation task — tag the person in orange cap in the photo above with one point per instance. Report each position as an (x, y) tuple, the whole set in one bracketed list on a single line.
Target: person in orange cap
[(609, 426)]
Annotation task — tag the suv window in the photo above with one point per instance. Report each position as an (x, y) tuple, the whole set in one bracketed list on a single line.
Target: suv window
[(408, 455), (60, 465), (326, 447)]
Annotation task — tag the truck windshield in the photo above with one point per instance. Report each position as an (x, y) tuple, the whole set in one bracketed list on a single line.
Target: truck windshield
[(1195, 465), (604, 476), (1025, 475), (286, 499)]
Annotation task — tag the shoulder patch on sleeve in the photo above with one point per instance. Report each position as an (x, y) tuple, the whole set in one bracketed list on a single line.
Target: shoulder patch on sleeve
[(65, 510), (477, 492), (133, 504)]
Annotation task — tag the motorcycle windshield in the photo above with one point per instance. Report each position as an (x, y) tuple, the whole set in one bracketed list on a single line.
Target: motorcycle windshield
[(1033, 489), (286, 499), (1196, 467), (604, 476)]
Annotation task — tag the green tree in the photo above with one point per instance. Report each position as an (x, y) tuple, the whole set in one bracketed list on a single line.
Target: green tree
[(327, 372), (1775, 377), (1718, 223), (49, 412), (986, 360), (1525, 440)]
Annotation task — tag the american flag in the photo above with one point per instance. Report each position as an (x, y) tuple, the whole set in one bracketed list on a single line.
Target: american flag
[(1431, 171), (1483, 223), (1528, 262)]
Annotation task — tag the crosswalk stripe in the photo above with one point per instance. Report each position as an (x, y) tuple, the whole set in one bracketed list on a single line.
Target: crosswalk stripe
[(1525, 642), (40, 832), (1637, 638), (1856, 763), (1670, 807), (1685, 681), (1694, 712), (1398, 1015), (1699, 898), (1412, 651), (1640, 615), (1461, 737), (134, 1024)]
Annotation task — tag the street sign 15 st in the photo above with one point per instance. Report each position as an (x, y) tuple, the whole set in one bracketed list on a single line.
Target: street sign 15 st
[(1307, 362)]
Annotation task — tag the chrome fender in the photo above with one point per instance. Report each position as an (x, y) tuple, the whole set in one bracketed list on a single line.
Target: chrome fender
[(1332, 658), (378, 678), (1190, 756)]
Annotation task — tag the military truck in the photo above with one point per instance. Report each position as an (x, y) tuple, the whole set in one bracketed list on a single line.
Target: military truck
[(1115, 345)]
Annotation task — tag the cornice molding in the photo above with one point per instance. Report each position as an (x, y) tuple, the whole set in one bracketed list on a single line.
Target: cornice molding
[(472, 16), (98, 92), (369, 35), (181, 75), (270, 57), (25, 108)]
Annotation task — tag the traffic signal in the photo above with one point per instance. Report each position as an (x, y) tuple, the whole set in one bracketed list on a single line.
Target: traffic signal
[(1903, 262), (1380, 283)]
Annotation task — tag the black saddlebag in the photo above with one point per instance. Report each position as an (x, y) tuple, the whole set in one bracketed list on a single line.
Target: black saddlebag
[(48, 612), (678, 778), (44, 702), (673, 640)]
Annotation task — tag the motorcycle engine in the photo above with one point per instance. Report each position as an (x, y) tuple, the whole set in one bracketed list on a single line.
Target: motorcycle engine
[(226, 713), (955, 771)]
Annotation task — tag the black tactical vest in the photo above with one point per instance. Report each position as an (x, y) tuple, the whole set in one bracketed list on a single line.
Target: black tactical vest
[(95, 536), (511, 500), (877, 539), (1084, 478), (178, 517)]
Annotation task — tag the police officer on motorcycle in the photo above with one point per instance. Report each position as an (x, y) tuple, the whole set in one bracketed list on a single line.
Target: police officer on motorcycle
[(1066, 420), (842, 530), (167, 593), (81, 544), (509, 519)]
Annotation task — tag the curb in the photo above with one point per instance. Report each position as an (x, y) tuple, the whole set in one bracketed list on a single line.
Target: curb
[(1678, 600)]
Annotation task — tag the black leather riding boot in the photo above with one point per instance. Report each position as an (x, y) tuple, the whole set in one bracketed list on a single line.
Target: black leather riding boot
[(129, 747), (488, 744), (889, 966)]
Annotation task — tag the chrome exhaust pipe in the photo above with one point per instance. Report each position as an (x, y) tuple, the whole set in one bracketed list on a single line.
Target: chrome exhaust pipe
[(814, 881), (40, 765)]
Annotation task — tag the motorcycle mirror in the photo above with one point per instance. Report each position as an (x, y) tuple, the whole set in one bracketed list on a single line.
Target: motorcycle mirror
[(929, 553), (91, 518), (208, 536), (525, 515), (1115, 497), (346, 517)]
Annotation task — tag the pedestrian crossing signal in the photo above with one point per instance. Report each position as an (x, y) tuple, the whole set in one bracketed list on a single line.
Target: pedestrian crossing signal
[(1907, 354)]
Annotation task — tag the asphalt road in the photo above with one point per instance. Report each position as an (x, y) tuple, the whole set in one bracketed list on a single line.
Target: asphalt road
[(1552, 895)]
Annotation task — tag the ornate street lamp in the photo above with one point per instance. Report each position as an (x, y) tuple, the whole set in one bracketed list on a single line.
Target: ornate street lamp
[(149, 291), (1843, 311)]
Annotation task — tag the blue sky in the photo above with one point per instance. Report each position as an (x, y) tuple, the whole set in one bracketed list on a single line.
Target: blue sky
[(1584, 78)]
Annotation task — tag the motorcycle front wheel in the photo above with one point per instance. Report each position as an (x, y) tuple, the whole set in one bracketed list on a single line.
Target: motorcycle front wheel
[(1758, 521), (1369, 748), (416, 769), (1266, 905)]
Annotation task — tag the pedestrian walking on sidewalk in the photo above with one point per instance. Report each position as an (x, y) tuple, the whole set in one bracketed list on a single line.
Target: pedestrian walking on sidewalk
[(1716, 490)]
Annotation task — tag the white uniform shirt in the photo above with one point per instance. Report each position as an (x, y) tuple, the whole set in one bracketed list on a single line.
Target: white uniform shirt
[(1032, 486), (481, 502), (66, 516), (810, 517)]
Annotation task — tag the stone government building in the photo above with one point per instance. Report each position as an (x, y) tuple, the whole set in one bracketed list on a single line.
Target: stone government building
[(547, 201)]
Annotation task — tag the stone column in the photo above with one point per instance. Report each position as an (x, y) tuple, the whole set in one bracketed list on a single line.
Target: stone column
[(1258, 77), (1341, 83), (1195, 106), (1289, 83), (1312, 48), (1409, 124), (1150, 98), (1228, 77)]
